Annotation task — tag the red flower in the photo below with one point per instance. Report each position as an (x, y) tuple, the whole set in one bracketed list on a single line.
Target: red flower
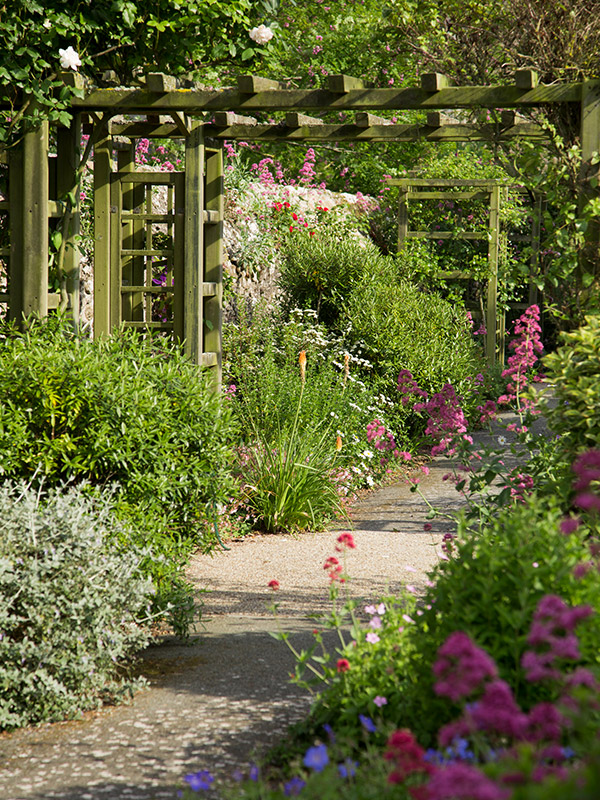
[(291, 228), (274, 585), (345, 540), (343, 665), (295, 217)]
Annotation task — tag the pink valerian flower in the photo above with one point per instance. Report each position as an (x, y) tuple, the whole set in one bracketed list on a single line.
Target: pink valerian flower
[(307, 172), (333, 566), (461, 667), (552, 635), (345, 540), (497, 711), (408, 388), (488, 412), (383, 440), (520, 485), (343, 665), (446, 419), (460, 780), (274, 584), (587, 471), (526, 352)]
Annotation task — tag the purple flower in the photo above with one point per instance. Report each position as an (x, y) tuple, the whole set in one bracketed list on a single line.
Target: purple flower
[(367, 723), (380, 701), (348, 768), (199, 781), (372, 638), (254, 772), (461, 667), (293, 787), (316, 758)]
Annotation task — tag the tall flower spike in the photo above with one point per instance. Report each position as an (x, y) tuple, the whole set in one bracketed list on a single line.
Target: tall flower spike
[(302, 362)]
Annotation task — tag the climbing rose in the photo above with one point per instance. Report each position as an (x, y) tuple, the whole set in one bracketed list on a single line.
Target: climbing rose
[(69, 59), (261, 35)]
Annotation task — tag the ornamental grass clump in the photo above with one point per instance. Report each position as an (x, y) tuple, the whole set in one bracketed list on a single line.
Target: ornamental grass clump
[(70, 603)]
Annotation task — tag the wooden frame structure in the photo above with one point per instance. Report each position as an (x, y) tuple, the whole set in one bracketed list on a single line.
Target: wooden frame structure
[(494, 193), (204, 118)]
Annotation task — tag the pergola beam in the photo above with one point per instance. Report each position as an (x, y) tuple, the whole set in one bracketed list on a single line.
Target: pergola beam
[(194, 102)]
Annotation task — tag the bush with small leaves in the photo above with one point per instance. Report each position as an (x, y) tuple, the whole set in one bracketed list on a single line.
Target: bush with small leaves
[(70, 601)]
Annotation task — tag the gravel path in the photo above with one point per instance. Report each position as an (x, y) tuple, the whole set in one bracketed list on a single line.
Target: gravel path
[(215, 703)]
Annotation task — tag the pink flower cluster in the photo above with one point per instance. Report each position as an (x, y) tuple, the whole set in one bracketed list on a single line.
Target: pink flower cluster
[(464, 670), (383, 440), (446, 419), (526, 349), (307, 173), (587, 471), (488, 412), (553, 637)]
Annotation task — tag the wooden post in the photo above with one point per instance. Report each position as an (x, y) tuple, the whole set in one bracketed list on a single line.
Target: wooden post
[(15, 195), (102, 171), (590, 173), (194, 243), (402, 215), (492, 290), (68, 157), (213, 263), (34, 227)]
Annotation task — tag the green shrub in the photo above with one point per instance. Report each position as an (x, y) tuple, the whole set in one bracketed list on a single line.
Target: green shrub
[(117, 410), (123, 412), (69, 599), (489, 589), (320, 271), (574, 372), (398, 326)]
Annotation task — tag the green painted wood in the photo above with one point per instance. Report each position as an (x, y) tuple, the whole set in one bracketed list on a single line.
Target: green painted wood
[(147, 178), (132, 197), (198, 101), (15, 265), (35, 222), (179, 258), (116, 253), (102, 173), (194, 244), (469, 235), (68, 149), (213, 262), (492, 288), (403, 196), (590, 173), (481, 195)]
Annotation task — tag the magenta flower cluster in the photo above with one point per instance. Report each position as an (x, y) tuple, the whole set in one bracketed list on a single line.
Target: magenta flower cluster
[(587, 472), (465, 672), (526, 349), (383, 440), (446, 419)]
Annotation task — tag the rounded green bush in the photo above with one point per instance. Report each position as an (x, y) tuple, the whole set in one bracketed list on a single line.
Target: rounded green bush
[(574, 371), (120, 410), (398, 326), (70, 597)]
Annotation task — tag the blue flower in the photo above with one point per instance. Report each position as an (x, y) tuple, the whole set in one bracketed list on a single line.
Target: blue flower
[(199, 781), (254, 772), (316, 758), (348, 768), (293, 787), (367, 723), (329, 731)]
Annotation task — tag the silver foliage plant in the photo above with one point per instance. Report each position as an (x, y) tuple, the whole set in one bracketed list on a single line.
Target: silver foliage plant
[(70, 603)]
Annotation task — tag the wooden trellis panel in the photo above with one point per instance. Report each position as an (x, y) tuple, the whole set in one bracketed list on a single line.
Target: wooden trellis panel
[(495, 193), (129, 254)]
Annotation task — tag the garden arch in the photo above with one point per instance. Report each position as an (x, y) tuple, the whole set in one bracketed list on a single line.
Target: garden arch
[(36, 191)]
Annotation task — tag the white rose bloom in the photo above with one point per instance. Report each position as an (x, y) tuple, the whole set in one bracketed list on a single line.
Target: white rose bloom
[(69, 59), (261, 35)]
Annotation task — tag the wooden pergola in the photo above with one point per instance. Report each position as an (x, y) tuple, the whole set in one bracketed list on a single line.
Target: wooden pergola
[(123, 212)]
